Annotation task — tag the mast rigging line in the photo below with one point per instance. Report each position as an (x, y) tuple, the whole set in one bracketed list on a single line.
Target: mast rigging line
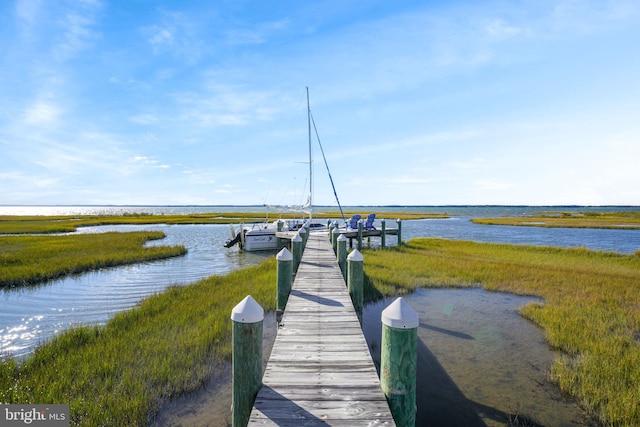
[(326, 165)]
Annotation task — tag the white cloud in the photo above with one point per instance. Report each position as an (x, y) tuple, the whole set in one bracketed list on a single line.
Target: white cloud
[(76, 29), (256, 34), (178, 34), (454, 103), (27, 11), (145, 119), (491, 185), (41, 113), (497, 29)]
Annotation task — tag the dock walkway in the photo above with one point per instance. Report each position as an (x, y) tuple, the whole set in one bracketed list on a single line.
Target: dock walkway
[(320, 371)]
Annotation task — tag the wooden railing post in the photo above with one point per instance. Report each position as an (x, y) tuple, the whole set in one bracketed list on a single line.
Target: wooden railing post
[(332, 225), (247, 319), (304, 235), (399, 232), (342, 254), (383, 233), (296, 250), (285, 277), (334, 239), (355, 280), (279, 243), (398, 361)]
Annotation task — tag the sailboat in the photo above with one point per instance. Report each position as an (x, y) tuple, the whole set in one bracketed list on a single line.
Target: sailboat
[(259, 237)]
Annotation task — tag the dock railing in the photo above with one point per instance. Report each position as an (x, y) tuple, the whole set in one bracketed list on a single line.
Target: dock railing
[(320, 371)]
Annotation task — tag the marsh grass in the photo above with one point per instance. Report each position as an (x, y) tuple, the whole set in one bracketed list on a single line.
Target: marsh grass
[(12, 224), (28, 260), (65, 224), (591, 311), (611, 220), (119, 374)]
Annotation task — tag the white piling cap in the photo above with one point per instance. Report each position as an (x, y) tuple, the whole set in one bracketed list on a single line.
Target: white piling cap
[(336, 230), (302, 231), (341, 238), (297, 238), (355, 255), (400, 315), (247, 311), (284, 255)]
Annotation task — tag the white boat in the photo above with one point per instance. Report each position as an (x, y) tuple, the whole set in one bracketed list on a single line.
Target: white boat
[(260, 237)]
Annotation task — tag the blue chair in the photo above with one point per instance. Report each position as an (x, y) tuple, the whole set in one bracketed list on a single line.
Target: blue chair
[(353, 222), (369, 224)]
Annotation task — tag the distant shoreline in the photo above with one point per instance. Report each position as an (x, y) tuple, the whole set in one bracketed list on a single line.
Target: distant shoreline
[(320, 206)]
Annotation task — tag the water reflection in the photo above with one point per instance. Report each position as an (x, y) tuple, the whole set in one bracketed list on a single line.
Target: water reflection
[(479, 362), (623, 241), (32, 315)]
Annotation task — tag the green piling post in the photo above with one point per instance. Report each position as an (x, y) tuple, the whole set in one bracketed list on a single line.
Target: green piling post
[(334, 239), (355, 280), (399, 232), (383, 233), (398, 361), (332, 225), (359, 235), (247, 319), (307, 228), (285, 277), (279, 243), (342, 254), (296, 249), (304, 236)]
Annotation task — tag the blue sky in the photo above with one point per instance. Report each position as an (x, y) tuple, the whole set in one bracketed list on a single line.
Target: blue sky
[(416, 102)]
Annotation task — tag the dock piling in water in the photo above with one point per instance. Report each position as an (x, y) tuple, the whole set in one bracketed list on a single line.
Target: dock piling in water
[(355, 280), (297, 248), (303, 234), (320, 371), (383, 233), (398, 364), (342, 254)]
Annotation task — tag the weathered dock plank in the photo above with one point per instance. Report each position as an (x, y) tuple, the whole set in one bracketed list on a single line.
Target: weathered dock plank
[(320, 371)]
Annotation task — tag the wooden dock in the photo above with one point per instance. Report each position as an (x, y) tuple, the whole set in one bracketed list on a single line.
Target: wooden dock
[(320, 371)]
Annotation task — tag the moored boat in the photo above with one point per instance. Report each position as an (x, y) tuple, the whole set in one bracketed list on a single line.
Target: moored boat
[(259, 237)]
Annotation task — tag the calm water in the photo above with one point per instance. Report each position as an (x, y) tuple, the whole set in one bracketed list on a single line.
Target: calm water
[(476, 355), (479, 362), (30, 315)]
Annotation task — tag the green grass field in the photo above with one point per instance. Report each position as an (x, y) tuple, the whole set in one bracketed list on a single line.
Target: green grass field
[(612, 220), (119, 374), (66, 224), (27, 260), (591, 311)]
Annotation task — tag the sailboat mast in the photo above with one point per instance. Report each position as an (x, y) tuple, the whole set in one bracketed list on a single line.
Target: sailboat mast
[(310, 159)]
